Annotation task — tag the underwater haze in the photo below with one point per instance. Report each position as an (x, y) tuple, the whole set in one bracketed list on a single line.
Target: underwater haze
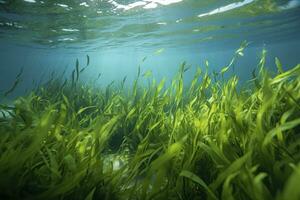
[(150, 99), (117, 35)]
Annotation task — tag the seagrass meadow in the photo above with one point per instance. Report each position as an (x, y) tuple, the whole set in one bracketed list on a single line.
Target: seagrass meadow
[(149, 100), (209, 139)]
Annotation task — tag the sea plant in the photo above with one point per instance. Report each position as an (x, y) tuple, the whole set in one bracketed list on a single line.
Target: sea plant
[(208, 139)]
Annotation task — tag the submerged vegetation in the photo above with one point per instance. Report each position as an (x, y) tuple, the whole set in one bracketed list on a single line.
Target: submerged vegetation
[(205, 140)]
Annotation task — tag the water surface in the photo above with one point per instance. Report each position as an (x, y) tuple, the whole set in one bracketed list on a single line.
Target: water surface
[(108, 24)]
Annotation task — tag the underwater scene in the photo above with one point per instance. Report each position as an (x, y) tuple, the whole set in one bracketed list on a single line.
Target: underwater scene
[(150, 99)]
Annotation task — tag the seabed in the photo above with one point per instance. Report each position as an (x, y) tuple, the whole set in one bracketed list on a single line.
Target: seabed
[(210, 139)]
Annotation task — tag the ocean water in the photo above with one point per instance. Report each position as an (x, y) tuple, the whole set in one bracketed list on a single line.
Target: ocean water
[(104, 99), (45, 35)]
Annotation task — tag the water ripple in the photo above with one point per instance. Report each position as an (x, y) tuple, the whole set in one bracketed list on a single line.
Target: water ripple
[(141, 23)]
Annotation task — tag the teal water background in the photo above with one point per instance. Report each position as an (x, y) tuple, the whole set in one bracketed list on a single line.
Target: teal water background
[(46, 36)]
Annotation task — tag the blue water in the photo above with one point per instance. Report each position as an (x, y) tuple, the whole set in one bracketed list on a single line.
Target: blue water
[(46, 36)]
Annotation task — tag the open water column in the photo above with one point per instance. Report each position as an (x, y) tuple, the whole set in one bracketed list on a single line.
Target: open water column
[(149, 99)]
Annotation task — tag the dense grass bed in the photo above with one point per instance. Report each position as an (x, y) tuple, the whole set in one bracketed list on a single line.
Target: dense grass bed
[(205, 140)]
